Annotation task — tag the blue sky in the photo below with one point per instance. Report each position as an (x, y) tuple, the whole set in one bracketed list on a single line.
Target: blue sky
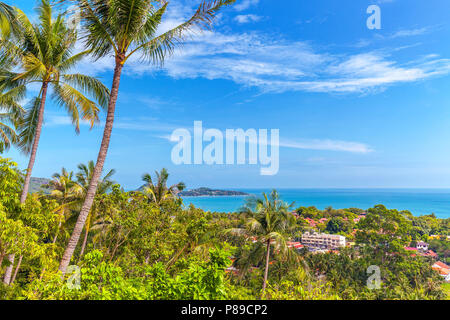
[(358, 108)]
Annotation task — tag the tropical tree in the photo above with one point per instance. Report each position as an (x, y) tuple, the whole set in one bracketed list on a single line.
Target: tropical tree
[(43, 53), (8, 23), (8, 134), (9, 97), (125, 28), (10, 109), (268, 220), (160, 191), (84, 177), (68, 194), (10, 179)]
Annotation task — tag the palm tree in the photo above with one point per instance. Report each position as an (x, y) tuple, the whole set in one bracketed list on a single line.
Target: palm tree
[(124, 28), (84, 177), (68, 194), (8, 121), (268, 220), (42, 53), (159, 192), (8, 23), (10, 109)]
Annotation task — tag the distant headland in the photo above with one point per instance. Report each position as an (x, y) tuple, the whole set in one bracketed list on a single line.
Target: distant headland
[(207, 192)]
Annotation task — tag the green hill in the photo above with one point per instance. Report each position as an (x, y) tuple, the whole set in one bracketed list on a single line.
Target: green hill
[(36, 185)]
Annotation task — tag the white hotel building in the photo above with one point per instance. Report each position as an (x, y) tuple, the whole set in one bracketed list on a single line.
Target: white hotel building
[(323, 240)]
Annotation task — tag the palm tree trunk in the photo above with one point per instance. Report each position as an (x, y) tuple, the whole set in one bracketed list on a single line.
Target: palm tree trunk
[(83, 246), (86, 208), (17, 269), (266, 271), (37, 136), (57, 231), (9, 269), (171, 261), (61, 216)]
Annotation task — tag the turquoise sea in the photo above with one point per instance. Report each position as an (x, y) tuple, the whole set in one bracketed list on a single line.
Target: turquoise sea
[(418, 201)]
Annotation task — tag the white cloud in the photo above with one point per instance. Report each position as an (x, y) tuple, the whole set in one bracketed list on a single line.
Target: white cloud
[(276, 65), (328, 145), (58, 120), (254, 60), (308, 144), (246, 18), (410, 32), (245, 4), (271, 65)]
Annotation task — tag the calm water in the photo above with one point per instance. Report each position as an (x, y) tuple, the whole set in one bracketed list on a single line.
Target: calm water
[(418, 201)]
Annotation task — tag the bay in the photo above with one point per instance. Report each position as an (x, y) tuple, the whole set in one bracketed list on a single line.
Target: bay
[(418, 201)]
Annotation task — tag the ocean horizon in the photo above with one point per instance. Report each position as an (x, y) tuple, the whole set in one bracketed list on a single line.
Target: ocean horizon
[(417, 201)]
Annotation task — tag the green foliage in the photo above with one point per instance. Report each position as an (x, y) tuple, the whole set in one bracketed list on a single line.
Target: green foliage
[(201, 280), (288, 290), (442, 248), (339, 225), (139, 249), (383, 231), (42, 52)]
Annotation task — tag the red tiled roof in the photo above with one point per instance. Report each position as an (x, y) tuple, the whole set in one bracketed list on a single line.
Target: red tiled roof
[(311, 222), (430, 253), (292, 244), (442, 265), (444, 272)]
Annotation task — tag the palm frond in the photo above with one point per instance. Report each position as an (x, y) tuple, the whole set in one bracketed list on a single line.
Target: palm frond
[(91, 86), (8, 23), (7, 136), (156, 49), (78, 106), (28, 124), (98, 38)]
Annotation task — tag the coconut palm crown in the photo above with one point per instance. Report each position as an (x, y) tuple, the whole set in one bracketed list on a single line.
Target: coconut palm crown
[(44, 53)]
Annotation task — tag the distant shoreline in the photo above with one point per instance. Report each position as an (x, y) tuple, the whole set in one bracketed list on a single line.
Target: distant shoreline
[(217, 196), (207, 192)]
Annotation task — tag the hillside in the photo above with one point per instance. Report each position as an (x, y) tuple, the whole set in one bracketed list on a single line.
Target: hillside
[(37, 183), (202, 192)]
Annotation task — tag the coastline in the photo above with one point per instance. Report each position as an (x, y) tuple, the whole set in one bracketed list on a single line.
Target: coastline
[(418, 201)]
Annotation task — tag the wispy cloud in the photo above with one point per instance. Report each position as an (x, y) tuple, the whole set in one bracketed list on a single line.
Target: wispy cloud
[(306, 144), (254, 60), (60, 120), (276, 65), (245, 4), (328, 145), (402, 33), (410, 32), (247, 18)]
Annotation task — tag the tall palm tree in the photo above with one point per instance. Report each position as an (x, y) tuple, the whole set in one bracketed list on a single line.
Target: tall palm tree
[(43, 53), (68, 194), (84, 177), (124, 28), (160, 191), (268, 220)]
